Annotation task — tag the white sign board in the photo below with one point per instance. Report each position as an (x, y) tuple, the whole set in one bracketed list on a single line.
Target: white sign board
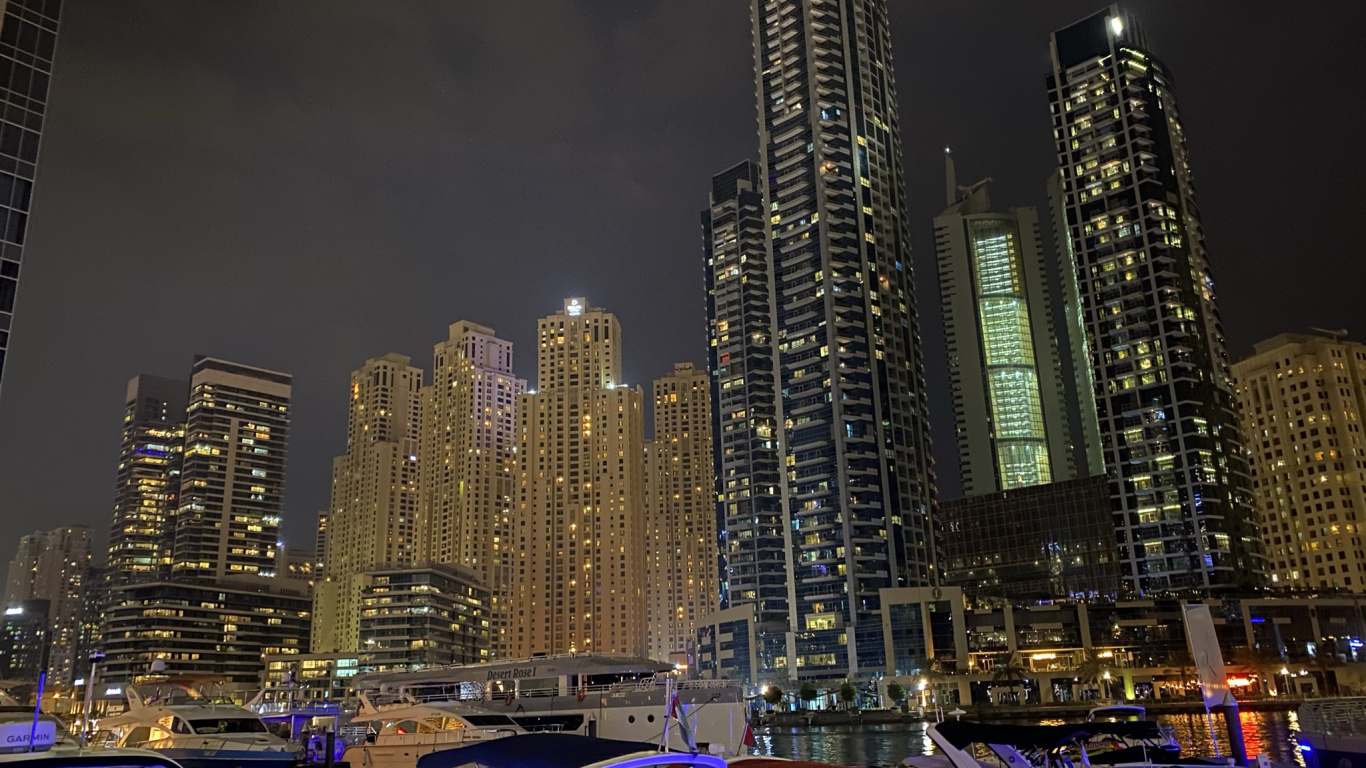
[(1209, 661), (14, 737)]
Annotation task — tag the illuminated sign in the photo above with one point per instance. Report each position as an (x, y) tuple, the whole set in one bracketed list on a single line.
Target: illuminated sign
[(575, 308)]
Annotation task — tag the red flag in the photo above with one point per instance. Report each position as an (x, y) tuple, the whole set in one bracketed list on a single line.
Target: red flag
[(748, 738)]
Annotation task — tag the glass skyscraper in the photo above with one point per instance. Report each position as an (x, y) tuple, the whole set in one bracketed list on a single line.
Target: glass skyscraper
[(232, 478), (847, 390), (28, 41), (1168, 426), (145, 497), (1010, 398)]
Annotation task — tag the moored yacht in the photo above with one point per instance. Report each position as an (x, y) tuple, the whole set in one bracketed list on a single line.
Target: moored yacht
[(611, 697), (43, 741), (400, 733), (196, 731)]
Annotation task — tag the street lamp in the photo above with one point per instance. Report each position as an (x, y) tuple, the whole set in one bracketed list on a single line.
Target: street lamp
[(95, 658)]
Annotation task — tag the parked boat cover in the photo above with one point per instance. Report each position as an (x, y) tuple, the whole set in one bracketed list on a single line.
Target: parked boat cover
[(540, 750), (961, 733)]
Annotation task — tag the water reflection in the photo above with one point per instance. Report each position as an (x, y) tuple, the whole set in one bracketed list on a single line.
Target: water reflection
[(886, 745)]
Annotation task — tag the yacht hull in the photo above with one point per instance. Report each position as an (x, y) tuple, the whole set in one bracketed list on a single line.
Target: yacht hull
[(228, 758)]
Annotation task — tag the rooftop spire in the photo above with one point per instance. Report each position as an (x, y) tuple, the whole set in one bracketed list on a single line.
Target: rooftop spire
[(950, 178)]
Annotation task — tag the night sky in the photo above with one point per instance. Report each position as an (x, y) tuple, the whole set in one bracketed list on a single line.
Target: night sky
[(302, 186)]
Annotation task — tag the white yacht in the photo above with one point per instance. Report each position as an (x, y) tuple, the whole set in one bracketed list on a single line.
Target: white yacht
[(44, 741), (194, 730), (609, 697), (401, 732)]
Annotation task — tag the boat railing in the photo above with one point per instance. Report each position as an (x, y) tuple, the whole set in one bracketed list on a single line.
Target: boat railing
[(456, 736), (216, 744), (1334, 717)]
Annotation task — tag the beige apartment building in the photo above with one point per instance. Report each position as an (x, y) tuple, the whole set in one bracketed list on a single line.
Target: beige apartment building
[(468, 461), (681, 582), (1301, 398), (372, 521), (580, 507)]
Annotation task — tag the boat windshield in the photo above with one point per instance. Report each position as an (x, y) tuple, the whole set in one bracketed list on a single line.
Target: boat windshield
[(228, 725), (1117, 714)]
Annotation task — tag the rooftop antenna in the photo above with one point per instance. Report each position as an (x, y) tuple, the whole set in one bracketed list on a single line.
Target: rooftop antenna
[(950, 178), (1337, 334)]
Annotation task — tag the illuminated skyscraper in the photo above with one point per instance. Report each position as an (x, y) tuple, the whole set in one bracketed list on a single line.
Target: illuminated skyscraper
[(232, 480), (579, 518), (54, 566), (849, 394), (373, 518), (680, 521), (1010, 399), (750, 489), (28, 42), (1303, 398), (468, 463), (148, 486), (1168, 426)]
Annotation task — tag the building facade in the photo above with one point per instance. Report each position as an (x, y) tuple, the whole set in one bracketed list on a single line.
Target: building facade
[(850, 382), (372, 521), (1045, 541), (320, 544), (580, 499), (751, 491), (148, 484), (469, 463), (24, 640), (232, 479), (319, 677), (1304, 644), (28, 42), (1302, 398), (54, 566), (427, 615), (1010, 399), (219, 630), (680, 523), (1179, 481)]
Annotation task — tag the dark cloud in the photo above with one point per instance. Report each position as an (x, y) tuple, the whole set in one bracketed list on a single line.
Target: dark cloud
[(305, 185)]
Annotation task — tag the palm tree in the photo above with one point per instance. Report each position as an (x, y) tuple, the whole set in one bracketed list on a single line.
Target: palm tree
[(1322, 663), (1184, 665), (1256, 661), (932, 680), (1091, 669), (896, 692), (848, 692), (1012, 673), (807, 693), (773, 694)]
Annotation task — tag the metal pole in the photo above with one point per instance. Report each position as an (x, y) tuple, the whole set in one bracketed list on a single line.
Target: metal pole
[(1235, 732), (331, 742), (37, 708), (89, 696)]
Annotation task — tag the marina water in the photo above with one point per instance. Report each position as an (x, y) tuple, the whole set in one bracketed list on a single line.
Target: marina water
[(888, 745)]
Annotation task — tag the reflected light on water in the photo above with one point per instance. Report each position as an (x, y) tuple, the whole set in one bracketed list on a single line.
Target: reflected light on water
[(888, 745)]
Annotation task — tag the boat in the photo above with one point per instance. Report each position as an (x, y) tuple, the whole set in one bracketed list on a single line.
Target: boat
[(195, 730), (1128, 713), (1116, 713), (397, 736), (1332, 732), (43, 742), (1044, 746), (625, 698), (562, 750)]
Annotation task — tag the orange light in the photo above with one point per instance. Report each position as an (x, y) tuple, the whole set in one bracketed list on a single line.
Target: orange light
[(1239, 682)]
